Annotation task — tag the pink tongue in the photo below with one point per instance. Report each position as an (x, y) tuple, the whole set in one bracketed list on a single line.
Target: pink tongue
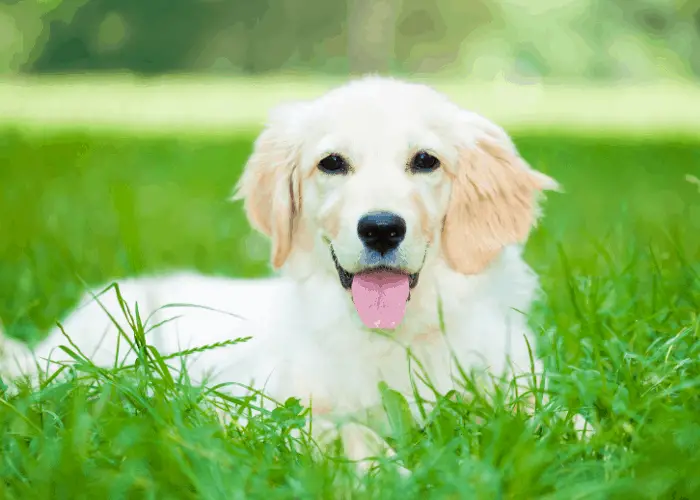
[(380, 298)]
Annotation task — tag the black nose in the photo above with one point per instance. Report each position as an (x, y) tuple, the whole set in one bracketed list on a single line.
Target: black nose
[(381, 231)]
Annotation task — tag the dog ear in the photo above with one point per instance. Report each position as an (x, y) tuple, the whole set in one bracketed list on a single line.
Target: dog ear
[(270, 185), (493, 202)]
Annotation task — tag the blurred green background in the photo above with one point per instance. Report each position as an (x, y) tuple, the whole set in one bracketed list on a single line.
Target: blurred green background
[(125, 123), (593, 39)]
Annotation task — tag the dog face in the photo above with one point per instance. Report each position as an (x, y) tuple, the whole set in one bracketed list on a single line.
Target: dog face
[(378, 173)]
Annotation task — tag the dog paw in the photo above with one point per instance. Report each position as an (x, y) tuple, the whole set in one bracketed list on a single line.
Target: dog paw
[(366, 467), (582, 427)]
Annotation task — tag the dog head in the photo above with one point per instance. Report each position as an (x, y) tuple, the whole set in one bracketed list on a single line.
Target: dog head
[(376, 175)]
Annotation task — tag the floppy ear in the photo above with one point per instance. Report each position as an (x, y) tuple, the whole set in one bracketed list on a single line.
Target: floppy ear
[(493, 202), (271, 185)]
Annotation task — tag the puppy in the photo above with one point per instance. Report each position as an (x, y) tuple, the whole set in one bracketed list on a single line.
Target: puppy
[(396, 220)]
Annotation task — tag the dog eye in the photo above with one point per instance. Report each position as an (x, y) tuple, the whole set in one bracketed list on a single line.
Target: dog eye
[(424, 162), (333, 164)]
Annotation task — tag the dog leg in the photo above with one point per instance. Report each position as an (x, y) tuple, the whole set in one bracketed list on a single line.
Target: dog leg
[(360, 444)]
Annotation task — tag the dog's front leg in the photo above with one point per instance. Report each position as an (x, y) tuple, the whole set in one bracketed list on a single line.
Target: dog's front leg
[(360, 444)]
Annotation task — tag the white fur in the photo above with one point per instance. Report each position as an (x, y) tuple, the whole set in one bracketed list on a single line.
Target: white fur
[(308, 341)]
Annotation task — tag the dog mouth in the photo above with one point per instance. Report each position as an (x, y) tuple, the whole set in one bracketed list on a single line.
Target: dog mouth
[(380, 293)]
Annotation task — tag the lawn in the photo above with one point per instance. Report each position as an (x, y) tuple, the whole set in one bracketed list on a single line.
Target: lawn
[(618, 327)]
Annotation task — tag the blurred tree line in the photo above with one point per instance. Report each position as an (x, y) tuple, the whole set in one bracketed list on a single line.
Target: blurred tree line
[(593, 39)]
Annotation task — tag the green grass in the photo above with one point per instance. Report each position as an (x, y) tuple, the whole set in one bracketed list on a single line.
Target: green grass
[(200, 105), (618, 328)]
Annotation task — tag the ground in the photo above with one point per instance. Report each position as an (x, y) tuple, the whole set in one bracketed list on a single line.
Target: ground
[(618, 327)]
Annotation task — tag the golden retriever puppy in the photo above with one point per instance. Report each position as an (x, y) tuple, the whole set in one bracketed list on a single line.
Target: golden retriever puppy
[(396, 220)]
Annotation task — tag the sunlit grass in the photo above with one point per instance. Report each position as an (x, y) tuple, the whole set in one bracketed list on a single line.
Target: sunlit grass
[(618, 328), (198, 105)]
